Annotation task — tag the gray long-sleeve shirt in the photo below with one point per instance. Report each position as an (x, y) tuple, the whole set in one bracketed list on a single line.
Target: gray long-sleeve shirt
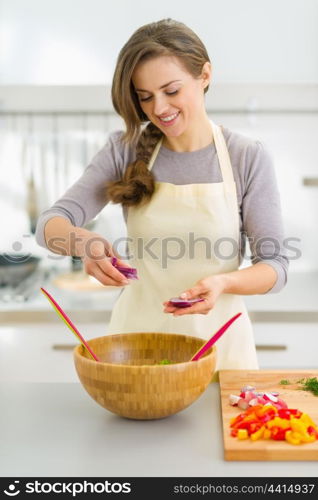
[(257, 192)]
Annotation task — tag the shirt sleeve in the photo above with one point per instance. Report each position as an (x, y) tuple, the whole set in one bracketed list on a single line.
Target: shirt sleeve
[(262, 215), (88, 196)]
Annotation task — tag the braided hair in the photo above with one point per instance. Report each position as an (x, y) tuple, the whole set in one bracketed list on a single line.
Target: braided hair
[(138, 183)]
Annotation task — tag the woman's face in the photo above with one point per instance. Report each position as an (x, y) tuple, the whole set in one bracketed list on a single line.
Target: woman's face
[(169, 95)]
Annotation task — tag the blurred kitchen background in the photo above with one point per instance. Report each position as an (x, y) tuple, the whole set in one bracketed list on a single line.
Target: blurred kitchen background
[(56, 65)]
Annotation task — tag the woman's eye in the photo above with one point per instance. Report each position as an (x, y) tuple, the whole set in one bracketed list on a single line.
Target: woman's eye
[(148, 98)]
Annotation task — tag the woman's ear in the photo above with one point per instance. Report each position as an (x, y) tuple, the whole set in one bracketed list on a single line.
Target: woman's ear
[(206, 74)]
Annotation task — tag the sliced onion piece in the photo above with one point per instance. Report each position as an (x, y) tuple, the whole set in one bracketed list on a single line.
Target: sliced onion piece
[(128, 272), (247, 388), (254, 402), (234, 399), (249, 395), (282, 403), (268, 396), (261, 400), (177, 302), (242, 404)]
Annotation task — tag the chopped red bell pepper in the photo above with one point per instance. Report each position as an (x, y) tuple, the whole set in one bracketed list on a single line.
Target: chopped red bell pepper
[(278, 433), (266, 418), (312, 431), (287, 412), (254, 427)]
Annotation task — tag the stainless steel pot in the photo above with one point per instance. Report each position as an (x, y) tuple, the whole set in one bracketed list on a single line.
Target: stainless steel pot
[(15, 267)]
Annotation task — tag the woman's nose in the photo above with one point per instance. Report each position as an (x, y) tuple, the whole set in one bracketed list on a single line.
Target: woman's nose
[(160, 106)]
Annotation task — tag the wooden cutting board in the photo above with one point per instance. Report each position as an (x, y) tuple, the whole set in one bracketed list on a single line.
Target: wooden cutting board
[(231, 381)]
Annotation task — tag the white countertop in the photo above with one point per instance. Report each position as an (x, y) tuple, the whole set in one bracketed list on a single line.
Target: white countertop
[(58, 430)]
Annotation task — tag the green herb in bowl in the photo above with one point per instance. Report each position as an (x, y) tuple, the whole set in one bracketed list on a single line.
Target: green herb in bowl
[(164, 362)]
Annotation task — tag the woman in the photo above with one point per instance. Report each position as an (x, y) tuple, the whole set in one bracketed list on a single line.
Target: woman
[(190, 191)]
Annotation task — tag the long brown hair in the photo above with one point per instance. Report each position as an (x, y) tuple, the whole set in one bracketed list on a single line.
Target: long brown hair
[(165, 37)]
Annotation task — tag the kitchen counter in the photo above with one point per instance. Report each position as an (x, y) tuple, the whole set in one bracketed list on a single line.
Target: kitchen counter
[(58, 430)]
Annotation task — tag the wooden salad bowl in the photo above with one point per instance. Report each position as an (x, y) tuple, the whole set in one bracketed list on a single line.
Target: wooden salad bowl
[(129, 381)]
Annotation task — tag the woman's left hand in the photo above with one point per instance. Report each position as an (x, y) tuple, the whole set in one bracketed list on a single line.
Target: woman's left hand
[(209, 289)]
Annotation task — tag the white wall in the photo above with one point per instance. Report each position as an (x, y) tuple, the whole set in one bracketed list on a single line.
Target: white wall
[(67, 42)]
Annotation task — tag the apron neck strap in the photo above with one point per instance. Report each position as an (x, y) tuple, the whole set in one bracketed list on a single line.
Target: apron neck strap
[(154, 154), (223, 154)]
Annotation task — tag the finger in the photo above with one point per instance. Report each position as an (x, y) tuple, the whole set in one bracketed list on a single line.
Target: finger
[(108, 269), (122, 263), (105, 279), (170, 309), (193, 293), (200, 308), (167, 303), (109, 250)]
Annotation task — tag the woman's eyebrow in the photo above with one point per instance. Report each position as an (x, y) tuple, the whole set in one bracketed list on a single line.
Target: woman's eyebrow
[(162, 86)]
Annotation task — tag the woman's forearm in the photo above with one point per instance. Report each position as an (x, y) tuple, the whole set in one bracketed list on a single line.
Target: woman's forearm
[(259, 278), (256, 279), (63, 238)]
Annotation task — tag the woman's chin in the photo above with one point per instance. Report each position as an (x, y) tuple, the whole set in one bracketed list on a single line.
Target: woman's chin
[(174, 132)]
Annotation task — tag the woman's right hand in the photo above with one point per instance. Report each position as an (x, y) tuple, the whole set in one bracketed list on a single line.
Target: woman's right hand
[(97, 253)]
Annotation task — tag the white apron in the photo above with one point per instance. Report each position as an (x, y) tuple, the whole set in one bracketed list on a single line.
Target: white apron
[(169, 240)]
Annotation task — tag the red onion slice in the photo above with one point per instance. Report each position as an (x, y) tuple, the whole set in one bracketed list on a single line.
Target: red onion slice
[(177, 302), (128, 272), (242, 404), (233, 399), (247, 388), (270, 397)]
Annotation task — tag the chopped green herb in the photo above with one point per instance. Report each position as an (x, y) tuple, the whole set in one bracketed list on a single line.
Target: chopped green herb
[(310, 384), (164, 362), (284, 382), (300, 381)]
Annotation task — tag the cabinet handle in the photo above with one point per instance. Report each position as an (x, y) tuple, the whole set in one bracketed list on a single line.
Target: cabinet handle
[(271, 347), (63, 347), (310, 181)]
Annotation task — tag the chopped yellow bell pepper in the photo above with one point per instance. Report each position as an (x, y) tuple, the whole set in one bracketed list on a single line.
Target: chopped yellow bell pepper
[(290, 438), (242, 434), (267, 434), (306, 438), (278, 422), (265, 409), (298, 426), (307, 420), (258, 434)]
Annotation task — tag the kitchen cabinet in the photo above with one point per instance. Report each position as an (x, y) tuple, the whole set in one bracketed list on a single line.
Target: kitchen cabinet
[(42, 352), (286, 345)]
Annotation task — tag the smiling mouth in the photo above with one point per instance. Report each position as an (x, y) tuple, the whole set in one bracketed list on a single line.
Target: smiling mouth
[(170, 118)]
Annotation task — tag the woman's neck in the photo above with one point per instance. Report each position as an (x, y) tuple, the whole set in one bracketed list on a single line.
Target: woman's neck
[(199, 137)]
